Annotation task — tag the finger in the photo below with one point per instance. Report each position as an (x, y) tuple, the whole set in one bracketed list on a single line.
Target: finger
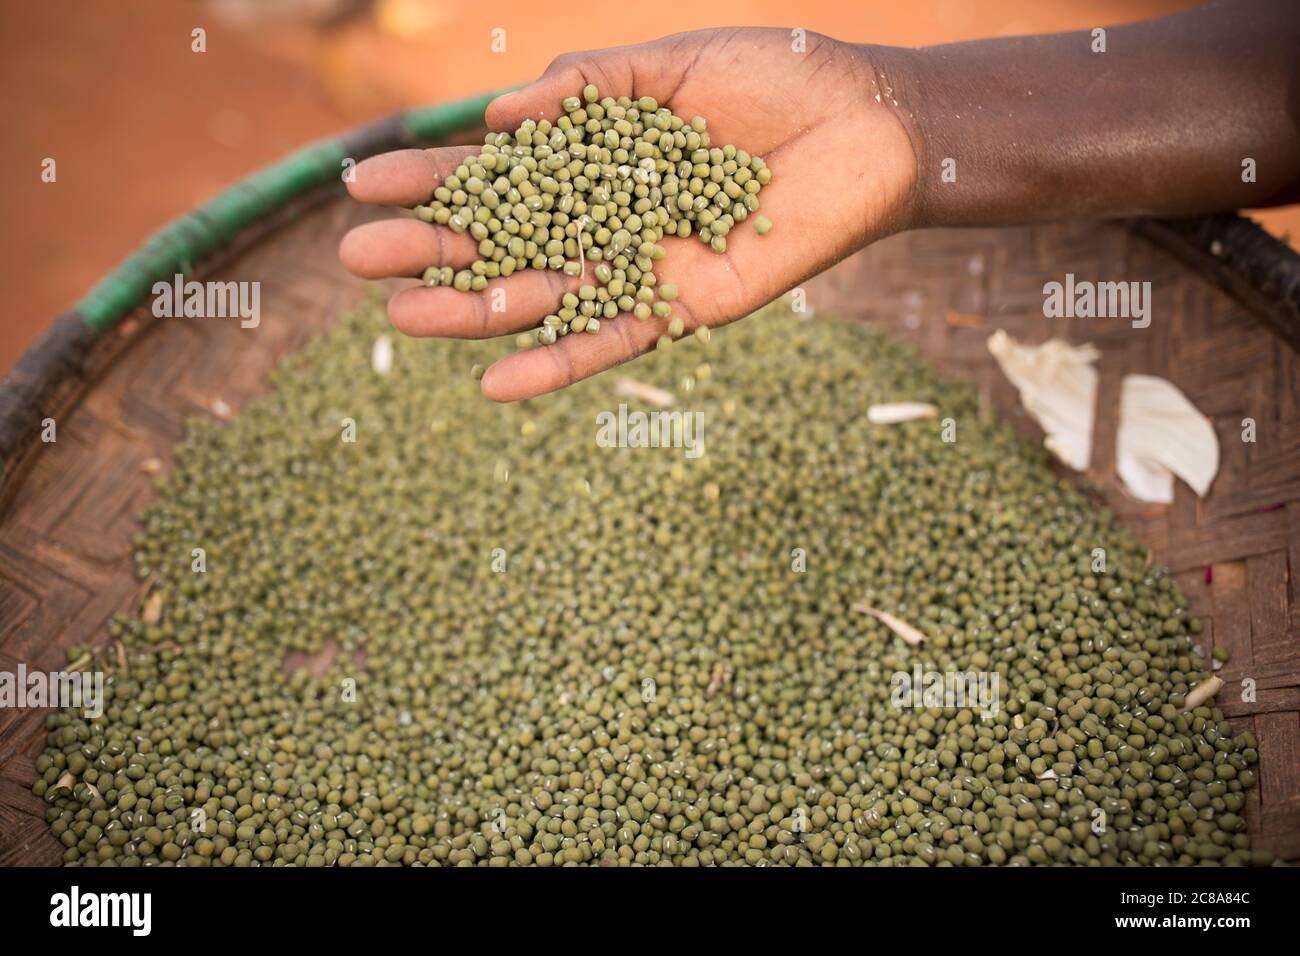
[(403, 248), (506, 306), (405, 177), (539, 100), (611, 71), (537, 371)]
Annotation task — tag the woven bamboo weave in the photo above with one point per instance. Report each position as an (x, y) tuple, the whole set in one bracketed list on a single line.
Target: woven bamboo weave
[(67, 510)]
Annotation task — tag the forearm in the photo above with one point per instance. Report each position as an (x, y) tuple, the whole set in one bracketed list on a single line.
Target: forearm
[(1161, 123)]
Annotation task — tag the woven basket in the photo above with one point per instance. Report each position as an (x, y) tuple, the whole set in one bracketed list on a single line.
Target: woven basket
[(120, 383)]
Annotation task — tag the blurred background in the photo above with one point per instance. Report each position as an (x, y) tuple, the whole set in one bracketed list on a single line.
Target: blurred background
[(142, 128)]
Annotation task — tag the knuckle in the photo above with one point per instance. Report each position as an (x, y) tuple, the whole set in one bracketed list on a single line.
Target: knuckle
[(563, 363), (562, 63)]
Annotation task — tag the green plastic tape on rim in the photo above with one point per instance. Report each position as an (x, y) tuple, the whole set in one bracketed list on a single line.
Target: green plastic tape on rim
[(435, 121), (178, 245), (175, 247)]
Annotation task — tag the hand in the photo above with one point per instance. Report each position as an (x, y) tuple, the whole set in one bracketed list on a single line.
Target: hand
[(843, 172)]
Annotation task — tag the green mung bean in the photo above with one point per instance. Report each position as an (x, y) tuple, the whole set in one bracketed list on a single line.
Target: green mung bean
[(637, 657), (640, 172)]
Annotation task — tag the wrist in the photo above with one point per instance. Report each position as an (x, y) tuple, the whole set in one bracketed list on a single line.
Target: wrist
[(895, 81)]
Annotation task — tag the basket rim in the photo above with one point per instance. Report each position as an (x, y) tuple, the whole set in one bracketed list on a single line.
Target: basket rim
[(1255, 268), (34, 388)]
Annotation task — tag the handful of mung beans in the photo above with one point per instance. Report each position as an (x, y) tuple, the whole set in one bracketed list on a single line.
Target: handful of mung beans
[(593, 196)]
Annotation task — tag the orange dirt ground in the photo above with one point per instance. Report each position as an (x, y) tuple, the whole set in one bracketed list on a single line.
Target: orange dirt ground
[(143, 129)]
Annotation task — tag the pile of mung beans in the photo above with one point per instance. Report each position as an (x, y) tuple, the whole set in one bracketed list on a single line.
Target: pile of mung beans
[(528, 649), (594, 195)]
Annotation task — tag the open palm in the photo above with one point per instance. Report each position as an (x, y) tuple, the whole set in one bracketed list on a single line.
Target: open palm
[(842, 173)]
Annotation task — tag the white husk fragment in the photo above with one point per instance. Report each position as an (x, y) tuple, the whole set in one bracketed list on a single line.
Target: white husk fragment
[(904, 630), (1162, 434), (1058, 387), (381, 355), (892, 413), (1202, 692), (631, 388)]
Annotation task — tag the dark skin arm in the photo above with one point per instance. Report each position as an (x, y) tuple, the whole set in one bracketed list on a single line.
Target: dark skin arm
[(856, 135), (1044, 128)]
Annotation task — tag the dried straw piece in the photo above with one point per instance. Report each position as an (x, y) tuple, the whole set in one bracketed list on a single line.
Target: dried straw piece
[(964, 320), (893, 413), (152, 612), (631, 388), (900, 627), (1202, 692), (720, 676), (381, 355)]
